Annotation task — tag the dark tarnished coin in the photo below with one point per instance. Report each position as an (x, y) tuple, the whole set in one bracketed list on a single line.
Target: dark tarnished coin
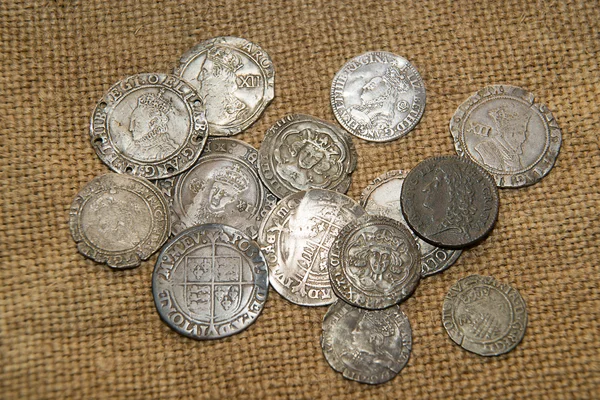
[(382, 197), (301, 152), (210, 281), (222, 187), (296, 237), (234, 77), (374, 263), (378, 96), (366, 346), (484, 316), (119, 220), (505, 132), (450, 201), (149, 125)]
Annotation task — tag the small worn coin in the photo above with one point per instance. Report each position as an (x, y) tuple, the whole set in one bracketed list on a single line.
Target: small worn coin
[(296, 237), (149, 125), (222, 187), (119, 220), (301, 152), (374, 263), (501, 129), (378, 96), (234, 77), (450, 201), (484, 316), (382, 197), (366, 346), (210, 281)]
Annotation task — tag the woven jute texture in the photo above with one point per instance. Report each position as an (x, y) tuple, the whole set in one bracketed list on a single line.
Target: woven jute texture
[(73, 329)]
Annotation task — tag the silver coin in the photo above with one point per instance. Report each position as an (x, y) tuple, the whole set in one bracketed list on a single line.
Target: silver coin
[(378, 96), (209, 282), (484, 316), (374, 263), (149, 125), (234, 77), (366, 346), (382, 197), (119, 220), (301, 152), (296, 237), (450, 201), (501, 129), (222, 187)]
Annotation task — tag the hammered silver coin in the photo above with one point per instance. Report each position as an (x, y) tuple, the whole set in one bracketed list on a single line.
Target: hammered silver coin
[(378, 96), (382, 197), (366, 346), (301, 152), (296, 237), (222, 187), (149, 125), (484, 316), (234, 77), (504, 131), (449, 201), (119, 220), (374, 263), (210, 281)]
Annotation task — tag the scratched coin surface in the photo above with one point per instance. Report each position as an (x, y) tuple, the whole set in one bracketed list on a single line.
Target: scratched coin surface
[(149, 125), (366, 346), (374, 262), (296, 237), (234, 77), (222, 187), (504, 131), (484, 316), (382, 197), (119, 220), (301, 152), (210, 281), (378, 96), (450, 201)]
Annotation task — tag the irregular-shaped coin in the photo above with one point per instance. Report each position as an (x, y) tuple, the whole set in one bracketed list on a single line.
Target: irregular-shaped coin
[(366, 346), (119, 220), (382, 197), (296, 237), (378, 96), (209, 282), (501, 129), (301, 152), (149, 125), (484, 316), (449, 201), (234, 77)]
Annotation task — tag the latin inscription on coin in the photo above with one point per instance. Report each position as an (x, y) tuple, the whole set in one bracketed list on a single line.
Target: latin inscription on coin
[(484, 316), (209, 282), (301, 152), (505, 132), (378, 96)]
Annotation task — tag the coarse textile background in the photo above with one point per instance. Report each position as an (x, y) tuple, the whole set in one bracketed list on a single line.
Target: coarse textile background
[(74, 329)]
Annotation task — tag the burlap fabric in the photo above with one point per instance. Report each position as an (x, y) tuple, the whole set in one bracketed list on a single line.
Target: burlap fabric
[(71, 328)]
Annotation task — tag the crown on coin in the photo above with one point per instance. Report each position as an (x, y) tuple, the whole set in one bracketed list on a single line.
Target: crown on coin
[(396, 79), (320, 141), (381, 238), (223, 57), (379, 325), (233, 177), (156, 102)]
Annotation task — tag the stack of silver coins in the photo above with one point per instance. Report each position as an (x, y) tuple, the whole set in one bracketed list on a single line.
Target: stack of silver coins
[(228, 219)]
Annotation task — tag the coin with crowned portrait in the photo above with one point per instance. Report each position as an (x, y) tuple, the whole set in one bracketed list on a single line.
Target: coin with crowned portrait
[(366, 346), (484, 316), (296, 237), (210, 281), (234, 77), (378, 96), (301, 152), (505, 132), (119, 220)]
